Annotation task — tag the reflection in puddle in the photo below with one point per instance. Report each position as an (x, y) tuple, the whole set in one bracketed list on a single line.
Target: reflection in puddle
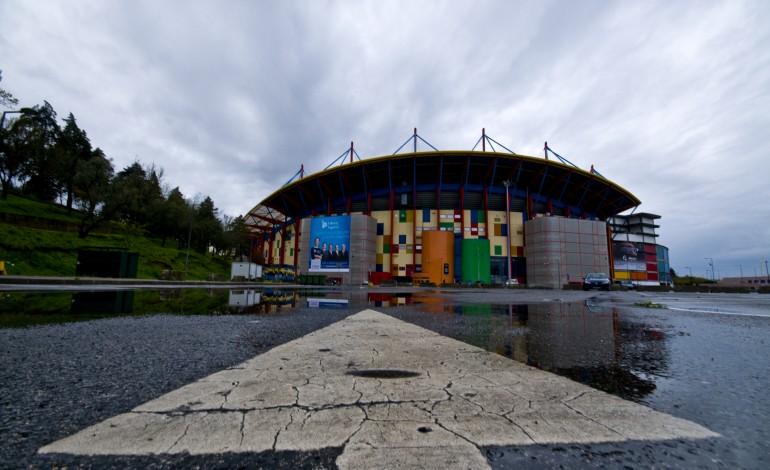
[(103, 302), (594, 343)]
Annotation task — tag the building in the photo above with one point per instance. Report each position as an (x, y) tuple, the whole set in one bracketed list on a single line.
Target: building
[(444, 216), (636, 254)]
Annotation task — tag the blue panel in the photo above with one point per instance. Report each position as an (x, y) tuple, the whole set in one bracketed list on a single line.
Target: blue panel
[(378, 268), (380, 229), (504, 230), (402, 239), (426, 215), (458, 251), (474, 217)]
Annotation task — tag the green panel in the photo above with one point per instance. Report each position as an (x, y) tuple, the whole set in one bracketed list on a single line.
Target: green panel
[(386, 248), (498, 250), (475, 260), (402, 216), (482, 217)]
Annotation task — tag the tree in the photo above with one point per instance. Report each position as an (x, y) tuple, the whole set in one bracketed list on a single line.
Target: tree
[(41, 136), (7, 99), (12, 154), (72, 146), (207, 229), (92, 188), (138, 190), (238, 237), (169, 217)]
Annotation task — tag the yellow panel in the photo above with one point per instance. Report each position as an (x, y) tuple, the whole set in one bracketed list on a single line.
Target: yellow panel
[(622, 275), (379, 258), (383, 217), (410, 215)]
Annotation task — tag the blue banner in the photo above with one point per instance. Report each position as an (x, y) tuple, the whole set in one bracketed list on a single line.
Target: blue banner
[(330, 244)]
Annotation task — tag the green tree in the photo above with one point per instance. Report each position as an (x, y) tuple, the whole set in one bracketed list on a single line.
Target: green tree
[(40, 169), (7, 99), (168, 217), (207, 229), (72, 147), (238, 237), (138, 189), (13, 152), (92, 188)]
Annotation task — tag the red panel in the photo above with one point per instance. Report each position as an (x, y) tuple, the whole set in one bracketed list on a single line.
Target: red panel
[(651, 258), (650, 249), (652, 267), (652, 276), (377, 278)]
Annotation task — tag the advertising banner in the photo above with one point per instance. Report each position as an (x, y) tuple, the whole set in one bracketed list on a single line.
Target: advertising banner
[(330, 244), (628, 256)]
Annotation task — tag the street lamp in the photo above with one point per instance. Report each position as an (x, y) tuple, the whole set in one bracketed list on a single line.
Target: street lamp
[(711, 263), (741, 268), (189, 236), (2, 120), (507, 183), (687, 267)]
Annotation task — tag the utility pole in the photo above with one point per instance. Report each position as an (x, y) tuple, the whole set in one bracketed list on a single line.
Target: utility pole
[(507, 183)]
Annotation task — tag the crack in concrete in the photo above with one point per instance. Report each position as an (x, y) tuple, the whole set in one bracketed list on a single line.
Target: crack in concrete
[(507, 418), (243, 424), (184, 434), (226, 394), (579, 413), (438, 423)]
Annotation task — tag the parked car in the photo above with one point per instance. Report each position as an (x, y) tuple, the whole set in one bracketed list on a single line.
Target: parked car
[(512, 282), (626, 283), (596, 281)]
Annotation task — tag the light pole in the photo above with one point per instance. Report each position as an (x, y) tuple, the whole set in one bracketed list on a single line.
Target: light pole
[(741, 268), (189, 236), (507, 183), (687, 267), (2, 120), (711, 263)]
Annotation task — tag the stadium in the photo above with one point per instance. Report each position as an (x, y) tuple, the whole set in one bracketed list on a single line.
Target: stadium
[(431, 216)]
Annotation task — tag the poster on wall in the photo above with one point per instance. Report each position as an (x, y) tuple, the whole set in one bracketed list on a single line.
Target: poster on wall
[(330, 244), (628, 256)]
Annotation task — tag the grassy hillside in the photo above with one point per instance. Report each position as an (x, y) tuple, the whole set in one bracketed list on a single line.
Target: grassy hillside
[(42, 252)]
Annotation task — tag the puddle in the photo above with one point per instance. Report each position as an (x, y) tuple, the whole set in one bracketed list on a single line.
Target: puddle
[(590, 342)]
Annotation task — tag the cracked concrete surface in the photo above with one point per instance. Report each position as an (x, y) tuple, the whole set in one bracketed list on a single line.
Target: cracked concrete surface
[(298, 396)]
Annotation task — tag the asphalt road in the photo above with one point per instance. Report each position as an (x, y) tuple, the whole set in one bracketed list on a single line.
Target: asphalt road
[(56, 380)]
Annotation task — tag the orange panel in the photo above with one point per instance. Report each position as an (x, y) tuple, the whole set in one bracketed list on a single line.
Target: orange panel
[(437, 250)]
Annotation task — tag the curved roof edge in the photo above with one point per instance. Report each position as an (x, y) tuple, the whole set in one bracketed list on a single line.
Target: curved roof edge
[(444, 170)]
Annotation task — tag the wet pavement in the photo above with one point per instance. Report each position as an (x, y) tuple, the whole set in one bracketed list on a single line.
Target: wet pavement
[(704, 370)]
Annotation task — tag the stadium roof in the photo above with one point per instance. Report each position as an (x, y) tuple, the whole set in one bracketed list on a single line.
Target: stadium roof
[(444, 180)]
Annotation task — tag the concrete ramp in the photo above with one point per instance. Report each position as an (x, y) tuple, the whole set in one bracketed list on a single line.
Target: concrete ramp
[(391, 394)]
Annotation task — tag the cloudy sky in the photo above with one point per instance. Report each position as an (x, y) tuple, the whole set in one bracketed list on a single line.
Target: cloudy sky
[(670, 100)]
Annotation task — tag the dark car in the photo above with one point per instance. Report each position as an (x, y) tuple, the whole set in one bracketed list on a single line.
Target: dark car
[(596, 281)]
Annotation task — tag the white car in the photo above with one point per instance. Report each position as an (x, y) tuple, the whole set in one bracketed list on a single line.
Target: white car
[(512, 282)]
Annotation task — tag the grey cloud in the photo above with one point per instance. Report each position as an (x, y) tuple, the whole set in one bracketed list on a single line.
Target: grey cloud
[(666, 99)]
